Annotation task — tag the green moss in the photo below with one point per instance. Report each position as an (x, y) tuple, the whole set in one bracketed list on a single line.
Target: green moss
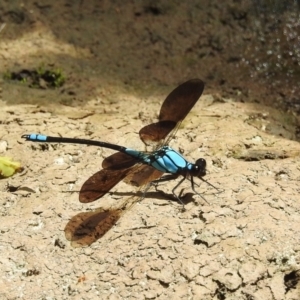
[(38, 78)]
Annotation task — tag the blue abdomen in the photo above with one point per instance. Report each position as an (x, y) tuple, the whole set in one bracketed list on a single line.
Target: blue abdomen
[(36, 137)]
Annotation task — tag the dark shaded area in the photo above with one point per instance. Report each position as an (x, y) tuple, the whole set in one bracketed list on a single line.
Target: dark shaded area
[(291, 280), (31, 272), (258, 155), (221, 291), (245, 50)]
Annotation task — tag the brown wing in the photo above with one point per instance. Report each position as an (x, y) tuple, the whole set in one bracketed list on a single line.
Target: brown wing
[(138, 176), (142, 175), (101, 183), (87, 227), (118, 161), (174, 109), (155, 132)]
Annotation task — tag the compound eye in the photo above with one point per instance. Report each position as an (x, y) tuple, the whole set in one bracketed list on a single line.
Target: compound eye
[(201, 163), (199, 169)]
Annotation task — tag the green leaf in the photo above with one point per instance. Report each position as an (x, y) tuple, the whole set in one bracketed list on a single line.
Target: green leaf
[(8, 167)]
